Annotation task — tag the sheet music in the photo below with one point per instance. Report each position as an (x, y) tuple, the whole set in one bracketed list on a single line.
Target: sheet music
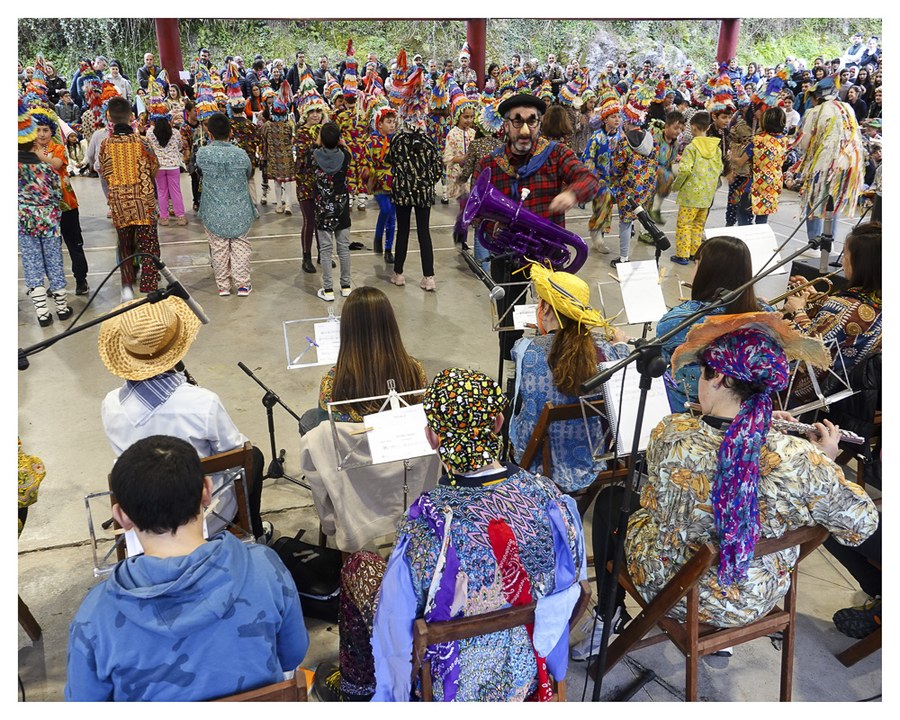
[(762, 243), (524, 316), (641, 291), (656, 408), (328, 340), (397, 434)]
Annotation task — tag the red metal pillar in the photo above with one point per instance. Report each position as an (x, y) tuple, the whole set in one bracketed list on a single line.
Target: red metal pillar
[(168, 38), (476, 36), (729, 30)]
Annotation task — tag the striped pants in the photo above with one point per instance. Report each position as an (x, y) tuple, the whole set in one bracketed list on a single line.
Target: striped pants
[(139, 239)]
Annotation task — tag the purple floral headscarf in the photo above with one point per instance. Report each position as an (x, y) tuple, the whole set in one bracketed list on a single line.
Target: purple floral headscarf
[(754, 357)]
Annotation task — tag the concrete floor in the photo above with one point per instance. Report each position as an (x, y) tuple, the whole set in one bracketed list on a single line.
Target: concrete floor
[(60, 395)]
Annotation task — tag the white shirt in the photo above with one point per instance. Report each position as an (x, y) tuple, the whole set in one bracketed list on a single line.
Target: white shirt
[(792, 120), (191, 413)]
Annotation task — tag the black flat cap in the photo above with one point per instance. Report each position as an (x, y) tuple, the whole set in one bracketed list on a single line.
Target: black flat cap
[(521, 100)]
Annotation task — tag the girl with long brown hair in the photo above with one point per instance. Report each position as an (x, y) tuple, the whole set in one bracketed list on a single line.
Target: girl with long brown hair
[(573, 338), (371, 353), (722, 263)]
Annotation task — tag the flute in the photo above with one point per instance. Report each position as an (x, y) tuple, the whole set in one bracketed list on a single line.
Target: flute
[(796, 428)]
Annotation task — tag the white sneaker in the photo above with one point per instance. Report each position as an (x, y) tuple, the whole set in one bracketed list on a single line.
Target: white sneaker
[(598, 243), (326, 295), (593, 633), (127, 293)]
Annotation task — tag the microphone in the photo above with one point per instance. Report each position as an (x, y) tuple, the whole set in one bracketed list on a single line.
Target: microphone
[(178, 289), (659, 237), (496, 292)]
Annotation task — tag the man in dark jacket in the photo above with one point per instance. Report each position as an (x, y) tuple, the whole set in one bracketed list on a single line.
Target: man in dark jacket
[(320, 75), (297, 70)]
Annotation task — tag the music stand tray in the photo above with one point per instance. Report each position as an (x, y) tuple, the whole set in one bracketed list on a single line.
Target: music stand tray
[(320, 349)]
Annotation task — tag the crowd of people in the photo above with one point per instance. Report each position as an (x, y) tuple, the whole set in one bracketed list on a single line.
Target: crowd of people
[(486, 533)]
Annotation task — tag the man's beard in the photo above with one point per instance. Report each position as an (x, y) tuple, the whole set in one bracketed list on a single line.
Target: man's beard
[(517, 149)]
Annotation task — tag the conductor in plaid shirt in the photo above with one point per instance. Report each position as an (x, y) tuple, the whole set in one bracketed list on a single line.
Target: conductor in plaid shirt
[(551, 171)]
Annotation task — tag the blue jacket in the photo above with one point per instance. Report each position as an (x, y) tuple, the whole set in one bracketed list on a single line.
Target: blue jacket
[(222, 620)]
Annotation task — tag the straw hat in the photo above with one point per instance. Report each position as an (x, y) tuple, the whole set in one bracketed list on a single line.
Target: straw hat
[(567, 295), (148, 340), (795, 345)]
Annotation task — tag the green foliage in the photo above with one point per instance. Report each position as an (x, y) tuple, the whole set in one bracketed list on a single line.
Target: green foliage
[(764, 40)]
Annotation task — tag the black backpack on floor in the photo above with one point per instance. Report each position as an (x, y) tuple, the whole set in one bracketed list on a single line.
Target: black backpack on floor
[(317, 573)]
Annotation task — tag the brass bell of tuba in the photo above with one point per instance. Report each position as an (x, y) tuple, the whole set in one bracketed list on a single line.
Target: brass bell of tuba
[(525, 233)]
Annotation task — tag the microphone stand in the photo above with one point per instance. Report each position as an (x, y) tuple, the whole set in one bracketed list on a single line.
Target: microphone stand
[(647, 356), (174, 288), (269, 400), (152, 297)]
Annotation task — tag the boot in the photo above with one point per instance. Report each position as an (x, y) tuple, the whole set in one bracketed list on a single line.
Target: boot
[(39, 298), (377, 246), (63, 311), (307, 265)]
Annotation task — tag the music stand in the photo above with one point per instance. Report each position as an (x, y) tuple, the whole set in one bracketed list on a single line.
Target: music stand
[(821, 401), (326, 340), (406, 439), (119, 536)]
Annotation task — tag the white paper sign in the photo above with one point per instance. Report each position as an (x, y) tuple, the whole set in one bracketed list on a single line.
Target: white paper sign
[(641, 291), (397, 434), (524, 316), (762, 243), (328, 341), (184, 75), (656, 408)]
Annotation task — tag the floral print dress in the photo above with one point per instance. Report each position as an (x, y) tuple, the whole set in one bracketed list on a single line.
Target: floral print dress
[(798, 486)]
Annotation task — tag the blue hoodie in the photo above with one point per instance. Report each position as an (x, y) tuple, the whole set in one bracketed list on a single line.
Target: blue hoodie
[(222, 620)]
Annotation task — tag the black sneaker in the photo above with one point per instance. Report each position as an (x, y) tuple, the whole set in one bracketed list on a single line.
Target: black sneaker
[(82, 287), (357, 246), (858, 622), (616, 261), (389, 257), (326, 684)]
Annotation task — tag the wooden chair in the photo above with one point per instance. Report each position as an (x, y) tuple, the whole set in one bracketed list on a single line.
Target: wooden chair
[(28, 623), (293, 690), (241, 457), (425, 634), (871, 642), (861, 649), (540, 444), (695, 639)]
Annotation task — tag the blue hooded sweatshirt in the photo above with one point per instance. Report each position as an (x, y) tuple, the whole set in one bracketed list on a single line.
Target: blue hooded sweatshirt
[(222, 620)]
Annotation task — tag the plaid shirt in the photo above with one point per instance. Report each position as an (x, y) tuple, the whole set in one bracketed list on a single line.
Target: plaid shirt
[(561, 171)]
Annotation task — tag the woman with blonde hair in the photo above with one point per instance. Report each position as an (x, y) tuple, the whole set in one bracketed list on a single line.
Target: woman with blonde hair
[(371, 353), (550, 367)]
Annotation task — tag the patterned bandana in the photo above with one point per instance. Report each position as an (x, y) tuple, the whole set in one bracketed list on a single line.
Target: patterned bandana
[(755, 357), (460, 406)]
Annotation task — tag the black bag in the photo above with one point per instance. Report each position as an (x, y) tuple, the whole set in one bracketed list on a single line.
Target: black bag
[(317, 573)]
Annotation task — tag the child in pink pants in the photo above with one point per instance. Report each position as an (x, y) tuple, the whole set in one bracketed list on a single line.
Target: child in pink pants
[(167, 146)]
